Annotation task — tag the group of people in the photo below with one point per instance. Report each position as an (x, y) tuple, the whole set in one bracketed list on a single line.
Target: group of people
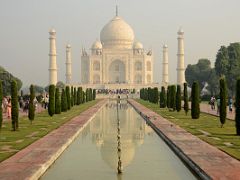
[(23, 105), (213, 100)]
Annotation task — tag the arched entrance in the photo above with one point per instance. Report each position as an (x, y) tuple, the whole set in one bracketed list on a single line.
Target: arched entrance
[(117, 72)]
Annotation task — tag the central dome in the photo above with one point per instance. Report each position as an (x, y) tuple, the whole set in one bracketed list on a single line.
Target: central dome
[(117, 34)]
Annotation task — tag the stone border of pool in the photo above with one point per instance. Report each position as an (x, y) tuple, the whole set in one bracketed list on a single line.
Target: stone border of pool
[(204, 160), (35, 159)]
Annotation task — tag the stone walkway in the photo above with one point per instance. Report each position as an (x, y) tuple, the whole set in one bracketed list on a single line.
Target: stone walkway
[(204, 157), (207, 109), (34, 160)]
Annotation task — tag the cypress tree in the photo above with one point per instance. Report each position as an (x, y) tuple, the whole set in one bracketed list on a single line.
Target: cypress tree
[(149, 94), (31, 111), (195, 108), (168, 96), (155, 95), (87, 95), (72, 97), (51, 105), (173, 97), (185, 96), (162, 101), (145, 94), (75, 96), (57, 102), (68, 97), (78, 96), (223, 104), (178, 98), (81, 95), (94, 94), (237, 105), (64, 105), (1, 97), (14, 101)]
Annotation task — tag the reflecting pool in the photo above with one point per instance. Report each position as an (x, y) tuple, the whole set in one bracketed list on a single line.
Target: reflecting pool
[(95, 155)]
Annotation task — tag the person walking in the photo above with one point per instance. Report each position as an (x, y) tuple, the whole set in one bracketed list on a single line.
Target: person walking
[(218, 105)]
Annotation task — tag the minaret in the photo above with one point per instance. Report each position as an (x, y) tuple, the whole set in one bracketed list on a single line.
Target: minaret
[(165, 80), (52, 58), (68, 64), (180, 59)]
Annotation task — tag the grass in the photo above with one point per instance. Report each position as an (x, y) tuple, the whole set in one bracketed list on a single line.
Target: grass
[(13, 141), (207, 128)]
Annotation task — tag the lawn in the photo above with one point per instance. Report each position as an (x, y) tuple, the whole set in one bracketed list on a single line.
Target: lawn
[(11, 142), (207, 128)]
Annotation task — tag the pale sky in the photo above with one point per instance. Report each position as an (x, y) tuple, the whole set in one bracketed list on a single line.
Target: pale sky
[(24, 43)]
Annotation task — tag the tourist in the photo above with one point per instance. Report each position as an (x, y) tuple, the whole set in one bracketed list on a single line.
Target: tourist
[(230, 104), (5, 103), (46, 101), (35, 103), (9, 108)]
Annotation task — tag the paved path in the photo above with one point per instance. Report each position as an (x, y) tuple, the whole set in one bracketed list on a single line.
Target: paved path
[(34, 160), (214, 162), (207, 109)]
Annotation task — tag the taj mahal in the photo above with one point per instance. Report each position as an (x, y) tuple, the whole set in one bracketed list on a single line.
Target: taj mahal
[(117, 60)]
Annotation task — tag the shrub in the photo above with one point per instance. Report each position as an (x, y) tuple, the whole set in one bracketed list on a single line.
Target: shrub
[(94, 94), (51, 105), (57, 102), (31, 111), (14, 101), (64, 105), (68, 97), (78, 96), (72, 97), (178, 98), (163, 100), (185, 98), (237, 104), (223, 98), (155, 95), (195, 108), (173, 97)]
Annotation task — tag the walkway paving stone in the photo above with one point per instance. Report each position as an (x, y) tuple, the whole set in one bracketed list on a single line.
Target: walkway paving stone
[(34, 160), (214, 162)]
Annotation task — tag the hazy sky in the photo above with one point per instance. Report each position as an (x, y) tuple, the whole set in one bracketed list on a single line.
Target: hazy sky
[(24, 43)]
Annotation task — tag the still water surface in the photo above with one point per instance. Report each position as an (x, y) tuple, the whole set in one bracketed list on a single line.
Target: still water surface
[(93, 155)]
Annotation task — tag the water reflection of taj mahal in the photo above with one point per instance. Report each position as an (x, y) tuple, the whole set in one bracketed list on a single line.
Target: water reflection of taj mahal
[(104, 134)]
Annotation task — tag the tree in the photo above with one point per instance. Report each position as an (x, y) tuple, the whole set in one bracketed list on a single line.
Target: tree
[(185, 97), (14, 109), (195, 108), (237, 104), (1, 97), (75, 96), (94, 94), (178, 98), (198, 72), (81, 95), (31, 111), (68, 97), (51, 105), (155, 95), (57, 102), (223, 98), (7, 78), (64, 105), (228, 64), (162, 97), (168, 96), (212, 81), (72, 96), (78, 96), (90, 94), (173, 97), (87, 95)]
